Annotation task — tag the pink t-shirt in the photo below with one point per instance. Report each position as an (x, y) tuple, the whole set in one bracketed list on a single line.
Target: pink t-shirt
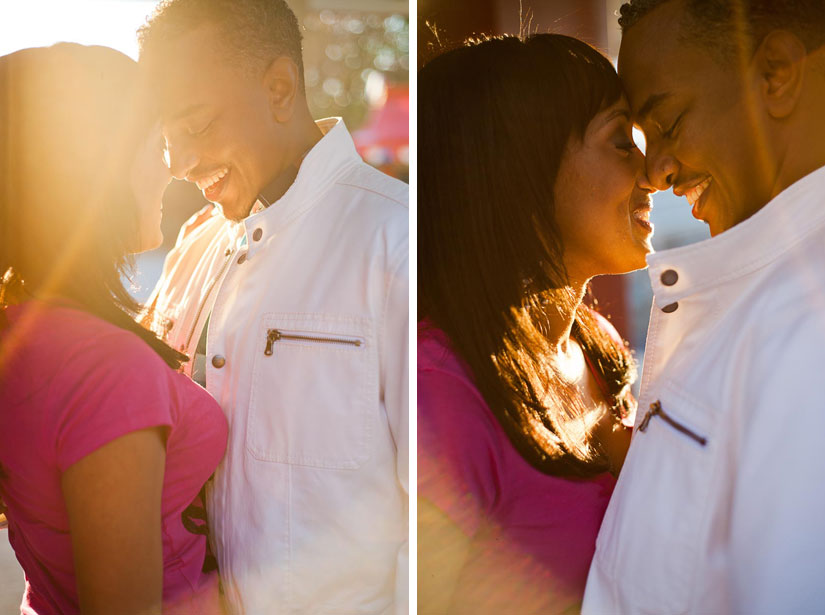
[(71, 383), (532, 535)]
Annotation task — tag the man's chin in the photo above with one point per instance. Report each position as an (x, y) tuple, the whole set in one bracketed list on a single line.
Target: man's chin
[(233, 212), (715, 226)]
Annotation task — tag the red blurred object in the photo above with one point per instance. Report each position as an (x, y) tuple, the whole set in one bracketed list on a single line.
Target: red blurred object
[(384, 139), (610, 293)]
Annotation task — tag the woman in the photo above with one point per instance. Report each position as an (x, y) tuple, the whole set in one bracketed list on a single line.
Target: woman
[(104, 447), (529, 185)]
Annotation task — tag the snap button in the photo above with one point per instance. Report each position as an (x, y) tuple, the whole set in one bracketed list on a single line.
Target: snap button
[(242, 258), (670, 307), (256, 236), (669, 277), (218, 361)]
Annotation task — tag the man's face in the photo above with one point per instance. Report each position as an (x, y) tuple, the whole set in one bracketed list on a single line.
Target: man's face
[(700, 118), (216, 120)]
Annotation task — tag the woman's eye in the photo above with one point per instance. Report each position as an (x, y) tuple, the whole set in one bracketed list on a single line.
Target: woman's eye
[(624, 142)]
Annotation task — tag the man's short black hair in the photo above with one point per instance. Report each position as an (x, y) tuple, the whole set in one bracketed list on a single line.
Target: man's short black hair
[(724, 25), (255, 31)]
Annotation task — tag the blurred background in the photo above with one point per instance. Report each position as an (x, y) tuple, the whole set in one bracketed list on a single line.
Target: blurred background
[(356, 59), (625, 299)]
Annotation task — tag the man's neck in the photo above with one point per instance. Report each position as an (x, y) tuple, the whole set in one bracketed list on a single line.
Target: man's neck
[(276, 188), (803, 133), (306, 139), (800, 160)]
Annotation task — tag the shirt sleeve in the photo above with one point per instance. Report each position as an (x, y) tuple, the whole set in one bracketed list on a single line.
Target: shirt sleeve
[(395, 371), (114, 385), (459, 452), (777, 532)]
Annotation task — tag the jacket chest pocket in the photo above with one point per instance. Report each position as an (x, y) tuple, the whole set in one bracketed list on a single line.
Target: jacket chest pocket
[(656, 527), (312, 385)]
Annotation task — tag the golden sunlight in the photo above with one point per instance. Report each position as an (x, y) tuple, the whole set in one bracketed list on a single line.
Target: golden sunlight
[(38, 23)]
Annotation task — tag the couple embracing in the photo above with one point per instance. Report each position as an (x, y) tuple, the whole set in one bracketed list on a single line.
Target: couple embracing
[(260, 399), (532, 496)]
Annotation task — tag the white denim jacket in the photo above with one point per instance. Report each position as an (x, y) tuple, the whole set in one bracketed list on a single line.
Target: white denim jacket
[(720, 506), (307, 354)]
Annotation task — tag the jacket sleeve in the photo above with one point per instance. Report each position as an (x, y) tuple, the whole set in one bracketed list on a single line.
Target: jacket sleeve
[(395, 388), (777, 531)]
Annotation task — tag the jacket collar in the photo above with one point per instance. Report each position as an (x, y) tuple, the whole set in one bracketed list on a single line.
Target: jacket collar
[(321, 167), (795, 213)]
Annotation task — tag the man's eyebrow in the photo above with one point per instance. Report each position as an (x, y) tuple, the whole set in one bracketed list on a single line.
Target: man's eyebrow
[(651, 103)]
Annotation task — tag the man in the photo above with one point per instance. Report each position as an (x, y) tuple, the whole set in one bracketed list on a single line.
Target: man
[(719, 505), (293, 300)]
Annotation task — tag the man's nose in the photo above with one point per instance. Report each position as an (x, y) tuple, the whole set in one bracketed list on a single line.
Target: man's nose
[(661, 165), (180, 159)]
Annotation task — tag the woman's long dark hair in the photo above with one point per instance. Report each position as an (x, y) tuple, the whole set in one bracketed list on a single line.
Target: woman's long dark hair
[(494, 118), (71, 121)]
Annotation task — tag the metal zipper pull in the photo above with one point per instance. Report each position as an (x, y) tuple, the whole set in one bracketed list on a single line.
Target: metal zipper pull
[(656, 409), (272, 336)]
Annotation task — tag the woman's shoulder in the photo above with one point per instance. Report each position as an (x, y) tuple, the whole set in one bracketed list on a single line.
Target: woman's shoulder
[(443, 373), (435, 353), (68, 338), (89, 380), (56, 319), (449, 402)]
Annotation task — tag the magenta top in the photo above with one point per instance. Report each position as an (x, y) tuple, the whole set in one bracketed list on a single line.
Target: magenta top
[(71, 383), (533, 535)]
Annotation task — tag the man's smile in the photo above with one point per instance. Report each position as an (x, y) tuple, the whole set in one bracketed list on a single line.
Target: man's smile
[(211, 185), (693, 193)]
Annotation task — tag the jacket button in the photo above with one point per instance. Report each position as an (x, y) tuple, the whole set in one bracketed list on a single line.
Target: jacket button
[(669, 277), (242, 258), (218, 361), (670, 307), (256, 236)]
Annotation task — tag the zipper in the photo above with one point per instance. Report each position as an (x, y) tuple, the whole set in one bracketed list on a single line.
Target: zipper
[(656, 410), (228, 255), (275, 335)]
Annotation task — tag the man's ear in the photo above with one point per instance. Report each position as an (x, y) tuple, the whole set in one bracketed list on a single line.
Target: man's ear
[(780, 64), (281, 82)]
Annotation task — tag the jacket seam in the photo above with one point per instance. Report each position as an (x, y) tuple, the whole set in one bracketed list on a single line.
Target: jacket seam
[(750, 267), (381, 329), (381, 194), (319, 193)]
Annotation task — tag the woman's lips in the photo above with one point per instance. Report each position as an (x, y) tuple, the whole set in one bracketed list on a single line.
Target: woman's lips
[(641, 216)]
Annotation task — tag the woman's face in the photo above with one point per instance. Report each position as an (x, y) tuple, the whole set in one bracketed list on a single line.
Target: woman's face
[(149, 178), (603, 199)]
